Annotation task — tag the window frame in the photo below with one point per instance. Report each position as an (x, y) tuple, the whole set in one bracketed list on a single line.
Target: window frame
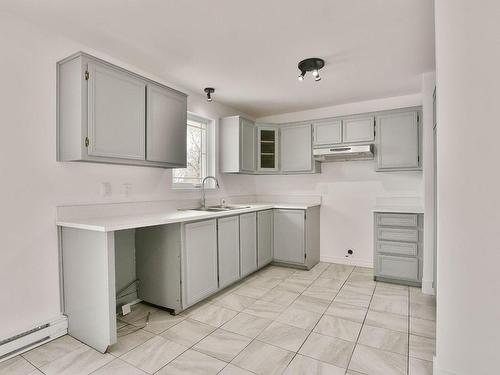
[(209, 154)]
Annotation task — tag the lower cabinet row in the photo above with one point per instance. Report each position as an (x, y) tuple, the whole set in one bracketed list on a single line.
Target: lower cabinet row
[(212, 254)]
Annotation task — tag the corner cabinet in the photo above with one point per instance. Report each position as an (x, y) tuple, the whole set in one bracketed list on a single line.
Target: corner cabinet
[(96, 101), (398, 141), (237, 145)]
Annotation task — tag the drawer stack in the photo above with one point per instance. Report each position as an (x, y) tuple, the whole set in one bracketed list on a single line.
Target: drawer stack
[(398, 247)]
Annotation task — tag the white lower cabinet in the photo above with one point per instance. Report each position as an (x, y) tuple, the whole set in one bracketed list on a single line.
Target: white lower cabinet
[(248, 243), (228, 235), (199, 276), (264, 237), (289, 236)]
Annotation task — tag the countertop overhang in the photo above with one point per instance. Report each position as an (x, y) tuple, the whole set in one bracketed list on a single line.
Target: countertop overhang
[(138, 220)]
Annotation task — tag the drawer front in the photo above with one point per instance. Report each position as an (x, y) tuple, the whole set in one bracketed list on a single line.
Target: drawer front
[(398, 248), (397, 220), (398, 267), (397, 234)]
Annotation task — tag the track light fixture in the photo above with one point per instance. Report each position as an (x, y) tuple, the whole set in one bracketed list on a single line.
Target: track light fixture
[(209, 91), (313, 65)]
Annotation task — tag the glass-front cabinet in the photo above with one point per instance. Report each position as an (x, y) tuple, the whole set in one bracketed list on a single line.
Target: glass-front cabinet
[(267, 144)]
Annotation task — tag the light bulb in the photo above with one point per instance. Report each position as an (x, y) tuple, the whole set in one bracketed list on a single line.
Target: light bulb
[(301, 77), (318, 78), (315, 73)]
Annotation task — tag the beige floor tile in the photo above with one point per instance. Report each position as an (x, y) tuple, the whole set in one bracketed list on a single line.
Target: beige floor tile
[(129, 337), (394, 304), (188, 332), (357, 277), (320, 292), (247, 325), (420, 367), (299, 318), (349, 312), (118, 367), (265, 282), (231, 369), (377, 362), (263, 359), (352, 298), (263, 309), (280, 297), (422, 347), (358, 288), (278, 272), (327, 349), (251, 291), (338, 327), (192, 362), (158, 321), (351, 372), (53, 350), (213, 315), (223, 345), (416, 296), (328, 283), (386, 320), (363, 270), (391, 290), (385, 339), (284, 336), (302, 365), (422, 311), (316, 305), (17, 365), (294, 285), (234, 302), (77, 362), (423, 327), (154, 354)]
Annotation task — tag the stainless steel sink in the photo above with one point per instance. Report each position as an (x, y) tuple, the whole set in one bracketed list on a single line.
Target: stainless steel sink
[(216, 208)]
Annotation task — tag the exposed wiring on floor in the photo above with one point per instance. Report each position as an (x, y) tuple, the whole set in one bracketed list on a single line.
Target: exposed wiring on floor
[(133, 282), (121, 331)]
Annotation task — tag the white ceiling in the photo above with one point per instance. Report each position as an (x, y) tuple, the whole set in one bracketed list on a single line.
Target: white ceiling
[(249, 49)]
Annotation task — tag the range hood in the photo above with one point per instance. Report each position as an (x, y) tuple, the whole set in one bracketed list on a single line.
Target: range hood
[(344, 153)]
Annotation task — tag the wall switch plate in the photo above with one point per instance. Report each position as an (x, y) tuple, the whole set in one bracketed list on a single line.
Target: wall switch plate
[(126, 309)]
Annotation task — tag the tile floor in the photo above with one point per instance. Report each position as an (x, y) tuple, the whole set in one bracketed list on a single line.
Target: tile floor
[(333, 319)]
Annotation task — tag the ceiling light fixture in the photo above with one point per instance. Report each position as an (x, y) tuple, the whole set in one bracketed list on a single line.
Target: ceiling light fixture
[(313, 65), (209, 91)]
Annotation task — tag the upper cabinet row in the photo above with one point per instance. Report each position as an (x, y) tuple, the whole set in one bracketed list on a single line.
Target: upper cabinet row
[(288, 148), (108, 114), (249, 148)]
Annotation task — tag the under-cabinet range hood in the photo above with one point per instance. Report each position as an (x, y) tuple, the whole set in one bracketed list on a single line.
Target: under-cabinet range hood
[(344, 153)]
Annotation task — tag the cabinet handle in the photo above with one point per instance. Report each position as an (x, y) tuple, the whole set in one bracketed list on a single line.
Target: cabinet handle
[(87, 142)]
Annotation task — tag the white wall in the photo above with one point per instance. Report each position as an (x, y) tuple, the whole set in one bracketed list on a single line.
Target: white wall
[(468, 97), (349, 190), (428, 85), (33, 183)]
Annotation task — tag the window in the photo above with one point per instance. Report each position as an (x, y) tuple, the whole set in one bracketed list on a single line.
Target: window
[(199, 154)]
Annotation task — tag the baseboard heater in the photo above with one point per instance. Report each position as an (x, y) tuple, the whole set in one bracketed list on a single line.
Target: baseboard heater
[(26, 340)]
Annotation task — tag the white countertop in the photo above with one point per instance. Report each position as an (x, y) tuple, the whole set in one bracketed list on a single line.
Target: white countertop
[(112, 223), (400, 209)]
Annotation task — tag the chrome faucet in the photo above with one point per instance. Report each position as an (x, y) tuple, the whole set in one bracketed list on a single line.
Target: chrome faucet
[(203, 198)]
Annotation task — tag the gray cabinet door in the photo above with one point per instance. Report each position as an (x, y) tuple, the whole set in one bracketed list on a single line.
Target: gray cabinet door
[(327, 133), (228, 235), (398, 141), (116, 107), (289, 236), (166, 125), (248, 243), (247, 142), (199, 278), (264, 237), (296, 148), (358, 129)]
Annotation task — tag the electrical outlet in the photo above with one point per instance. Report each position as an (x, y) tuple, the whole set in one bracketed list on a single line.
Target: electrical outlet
[(105, 189), (126, 309), (349, 252), (127, 189)]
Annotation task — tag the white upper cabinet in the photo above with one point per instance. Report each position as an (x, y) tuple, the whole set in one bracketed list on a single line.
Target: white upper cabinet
[(296, 148), (358, 129), (110, 115), (116, 107), (327, 132), (247, 146), (398, 141), (237, 145), (166, 124), (267, 148)]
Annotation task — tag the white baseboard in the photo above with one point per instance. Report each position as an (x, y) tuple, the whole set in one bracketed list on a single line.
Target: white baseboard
[(31, 338), (348, 261), (427, 287)]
